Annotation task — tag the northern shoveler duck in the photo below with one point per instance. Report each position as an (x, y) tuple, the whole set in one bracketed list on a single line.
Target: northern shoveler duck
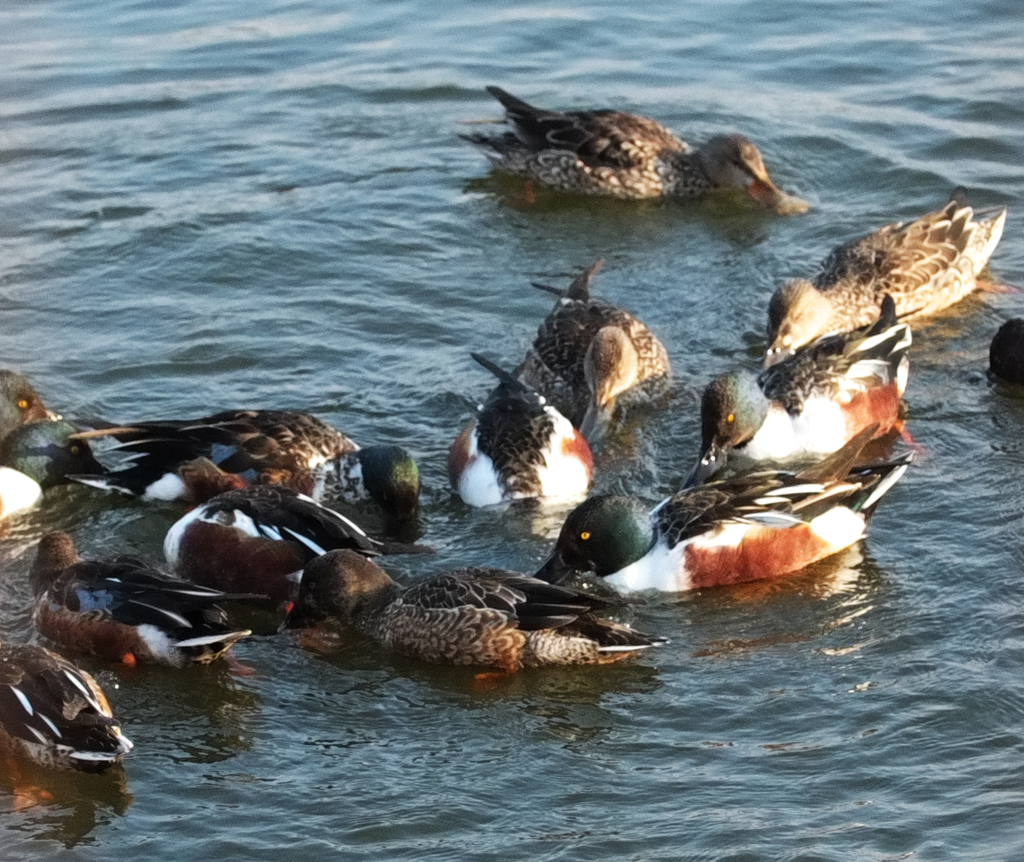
[(1006, 352), (485, 617), (754, 526), (19, 403), (55, 714), (256, 538), (38, 455), (285, 447), (924, 266), (624, 156), (517, 447), (590, 355), (125, 610), (812, 403)]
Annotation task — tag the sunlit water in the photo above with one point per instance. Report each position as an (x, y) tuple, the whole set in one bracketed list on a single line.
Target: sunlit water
[(212, 205)]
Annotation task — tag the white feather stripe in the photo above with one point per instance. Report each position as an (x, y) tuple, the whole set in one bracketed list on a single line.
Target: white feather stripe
[(902, 374), (81, 685), (25, 702), (775, 520), (101, 756), (840, 489), (352, 525), (303, 540), (796, 490), (178, 619), (213, 639), (269, 531), (52, 726), (874, 340), (884, 486)]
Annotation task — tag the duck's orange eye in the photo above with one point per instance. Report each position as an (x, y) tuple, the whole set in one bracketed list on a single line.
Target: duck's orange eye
[(22, 403), (584, 535), (730, 418)]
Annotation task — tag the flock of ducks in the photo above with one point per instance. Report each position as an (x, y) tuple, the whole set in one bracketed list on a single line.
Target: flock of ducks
[(259, 484)]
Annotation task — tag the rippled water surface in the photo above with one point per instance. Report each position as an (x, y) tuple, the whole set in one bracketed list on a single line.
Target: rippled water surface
[(208, 205)]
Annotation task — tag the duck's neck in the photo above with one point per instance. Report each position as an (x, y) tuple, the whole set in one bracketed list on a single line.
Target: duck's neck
[(684, 175), (369, 610)]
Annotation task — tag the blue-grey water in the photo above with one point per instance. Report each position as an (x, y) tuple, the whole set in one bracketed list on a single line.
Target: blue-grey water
[(212, 205)]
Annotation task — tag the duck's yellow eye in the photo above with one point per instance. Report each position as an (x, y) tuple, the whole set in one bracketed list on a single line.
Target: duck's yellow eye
[(730, 418), (584, 535), (22, 403), (74, 450)]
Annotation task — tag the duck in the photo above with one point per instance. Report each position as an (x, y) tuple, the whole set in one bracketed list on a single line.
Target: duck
[(20, 403), (925, 266), (810, 404), (287, 447), (517, 447), (55, 714), (1006, 352), (36, 456), (474, 616), (605, 152), (744, 528), (260, 537), (590, 356), (125, 610)]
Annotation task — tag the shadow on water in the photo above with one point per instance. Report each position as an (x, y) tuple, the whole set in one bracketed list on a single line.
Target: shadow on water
[(62, 805), (730, 215), (806, 607), (198, 714)]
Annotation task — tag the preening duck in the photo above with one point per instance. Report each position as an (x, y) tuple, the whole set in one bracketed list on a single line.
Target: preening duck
[(811, 403), (925, 266), (517, 447), (590, 356)]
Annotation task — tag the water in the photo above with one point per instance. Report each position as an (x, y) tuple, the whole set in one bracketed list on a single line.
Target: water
[(212, 205)]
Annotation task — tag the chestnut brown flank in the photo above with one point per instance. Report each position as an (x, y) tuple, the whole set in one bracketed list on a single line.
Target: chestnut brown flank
[(763, 553), (879, 404), (576, 447), (458, 455), (92, 634), (224, 558)]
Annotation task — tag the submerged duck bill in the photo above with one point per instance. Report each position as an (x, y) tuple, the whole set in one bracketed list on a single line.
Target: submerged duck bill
[(712, 459), (595, 422), (554, 570), (775, 355), (768, 195)]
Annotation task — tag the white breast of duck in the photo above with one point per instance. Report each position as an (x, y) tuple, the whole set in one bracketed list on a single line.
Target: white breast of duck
[(820, 428), (17, 491)]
